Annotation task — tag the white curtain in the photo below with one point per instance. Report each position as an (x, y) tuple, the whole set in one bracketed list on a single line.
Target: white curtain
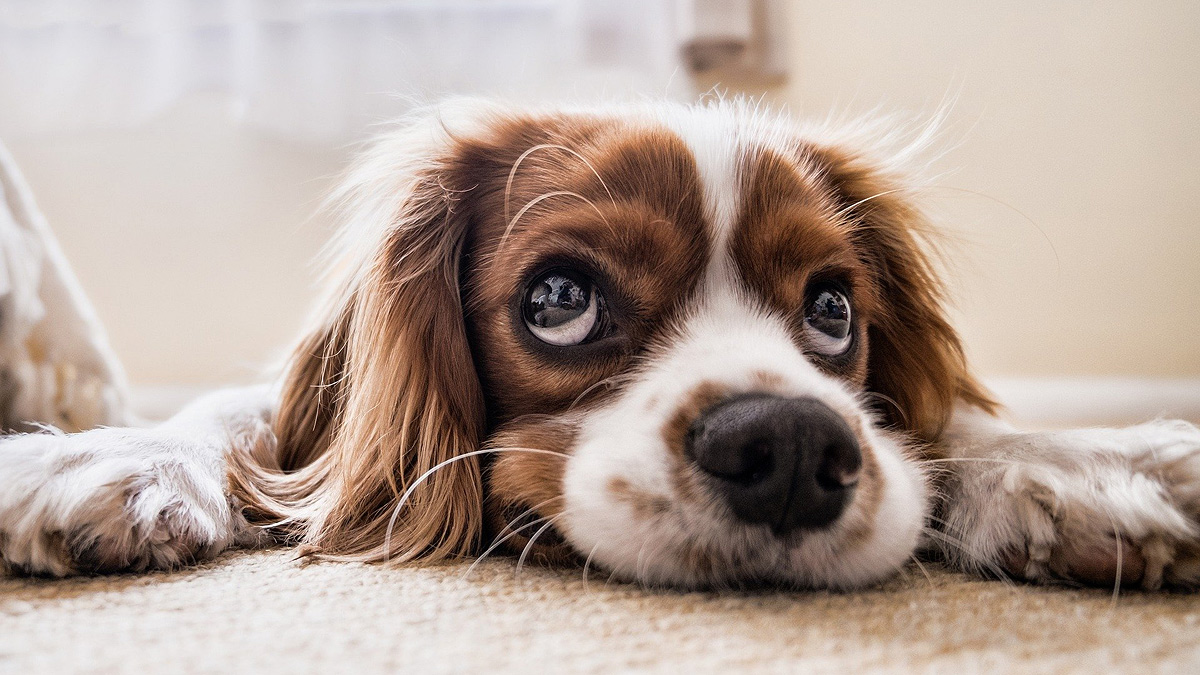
[(321, 70)]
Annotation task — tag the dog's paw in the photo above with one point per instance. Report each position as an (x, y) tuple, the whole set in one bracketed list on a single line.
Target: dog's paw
[(1089, 506), (111, 500)]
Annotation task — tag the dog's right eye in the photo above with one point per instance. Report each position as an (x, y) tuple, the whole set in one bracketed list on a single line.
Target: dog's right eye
[(563, 308), (827, 321)]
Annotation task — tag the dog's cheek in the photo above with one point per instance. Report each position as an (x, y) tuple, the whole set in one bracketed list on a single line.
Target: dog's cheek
[(524, 488)]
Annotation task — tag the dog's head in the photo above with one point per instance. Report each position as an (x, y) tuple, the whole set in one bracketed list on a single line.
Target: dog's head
[(696, 345)]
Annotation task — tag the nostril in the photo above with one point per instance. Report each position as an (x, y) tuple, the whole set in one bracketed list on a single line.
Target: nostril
[(835, 478), (840, 467), (736, 460), (760, 463)]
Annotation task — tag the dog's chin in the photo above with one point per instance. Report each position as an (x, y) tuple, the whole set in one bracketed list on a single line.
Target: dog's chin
[(635, 536)]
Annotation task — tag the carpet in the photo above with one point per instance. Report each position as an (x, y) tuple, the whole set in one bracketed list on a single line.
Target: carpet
[(262, 611)]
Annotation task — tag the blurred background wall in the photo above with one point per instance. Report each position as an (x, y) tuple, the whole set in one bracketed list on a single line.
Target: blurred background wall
[(1069, 190)]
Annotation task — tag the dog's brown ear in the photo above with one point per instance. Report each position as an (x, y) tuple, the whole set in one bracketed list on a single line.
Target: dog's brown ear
[(381, 404), (915, 356)]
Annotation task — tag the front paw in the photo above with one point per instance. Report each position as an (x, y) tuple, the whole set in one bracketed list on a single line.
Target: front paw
[(1088, 506), (109, 500)]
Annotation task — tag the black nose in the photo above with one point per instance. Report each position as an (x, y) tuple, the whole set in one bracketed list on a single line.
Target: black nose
[(784, 462)]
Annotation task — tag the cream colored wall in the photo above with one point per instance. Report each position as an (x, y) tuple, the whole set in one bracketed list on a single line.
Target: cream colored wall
[(193, 236), (1079, 125)]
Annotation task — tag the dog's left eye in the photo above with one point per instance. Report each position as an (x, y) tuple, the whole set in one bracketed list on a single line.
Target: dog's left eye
[(563, 308), (827, 321)]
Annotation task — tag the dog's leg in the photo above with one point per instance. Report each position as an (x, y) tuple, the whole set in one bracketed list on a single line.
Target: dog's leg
[(1088, 505), (116, 499)]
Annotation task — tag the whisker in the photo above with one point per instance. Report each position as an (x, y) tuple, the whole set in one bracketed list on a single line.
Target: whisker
[(1120, 554), (921, 567), (529, 546), (549, 146), (937, 520), (1019, 212), (641, 569), (502, 537), (586, 564), (605, 382), (541, 198), (387, 539), (888, 399), (961, 546), (637, 565), (611, 575), (496, 544), (994, 460), (532, 509)]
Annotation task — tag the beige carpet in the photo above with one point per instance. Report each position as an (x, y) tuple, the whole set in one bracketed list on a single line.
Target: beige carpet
[(263, 612)]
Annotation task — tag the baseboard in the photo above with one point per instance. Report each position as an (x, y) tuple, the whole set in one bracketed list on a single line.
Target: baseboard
[(1093, 401)]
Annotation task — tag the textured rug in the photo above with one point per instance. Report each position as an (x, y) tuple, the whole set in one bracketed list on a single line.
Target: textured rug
[(253, 612)]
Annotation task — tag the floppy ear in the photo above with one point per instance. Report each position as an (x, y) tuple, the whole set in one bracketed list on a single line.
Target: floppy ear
[(915, 356), (383, 390)]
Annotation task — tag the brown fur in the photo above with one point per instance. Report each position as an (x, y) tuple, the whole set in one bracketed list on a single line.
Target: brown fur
[(385, 389), (826, 214), (417, 362), (642, 200), (524, 487), (916, 358), (787, 238), (376, 398)]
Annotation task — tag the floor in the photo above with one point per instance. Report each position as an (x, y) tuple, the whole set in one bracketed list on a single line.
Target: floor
[(265, 612)]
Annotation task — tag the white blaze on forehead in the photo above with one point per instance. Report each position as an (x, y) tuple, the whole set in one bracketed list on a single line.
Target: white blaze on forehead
[(718, 146)]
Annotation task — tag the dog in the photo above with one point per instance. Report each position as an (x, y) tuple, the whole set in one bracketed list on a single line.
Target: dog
[(692, 345)]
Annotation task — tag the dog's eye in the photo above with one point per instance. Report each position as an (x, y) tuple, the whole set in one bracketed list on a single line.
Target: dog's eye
[(563, 308), (827, 321)]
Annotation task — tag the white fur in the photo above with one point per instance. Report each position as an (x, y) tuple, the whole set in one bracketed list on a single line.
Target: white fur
[(125, 498), (1055, 496), (717, 146)]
